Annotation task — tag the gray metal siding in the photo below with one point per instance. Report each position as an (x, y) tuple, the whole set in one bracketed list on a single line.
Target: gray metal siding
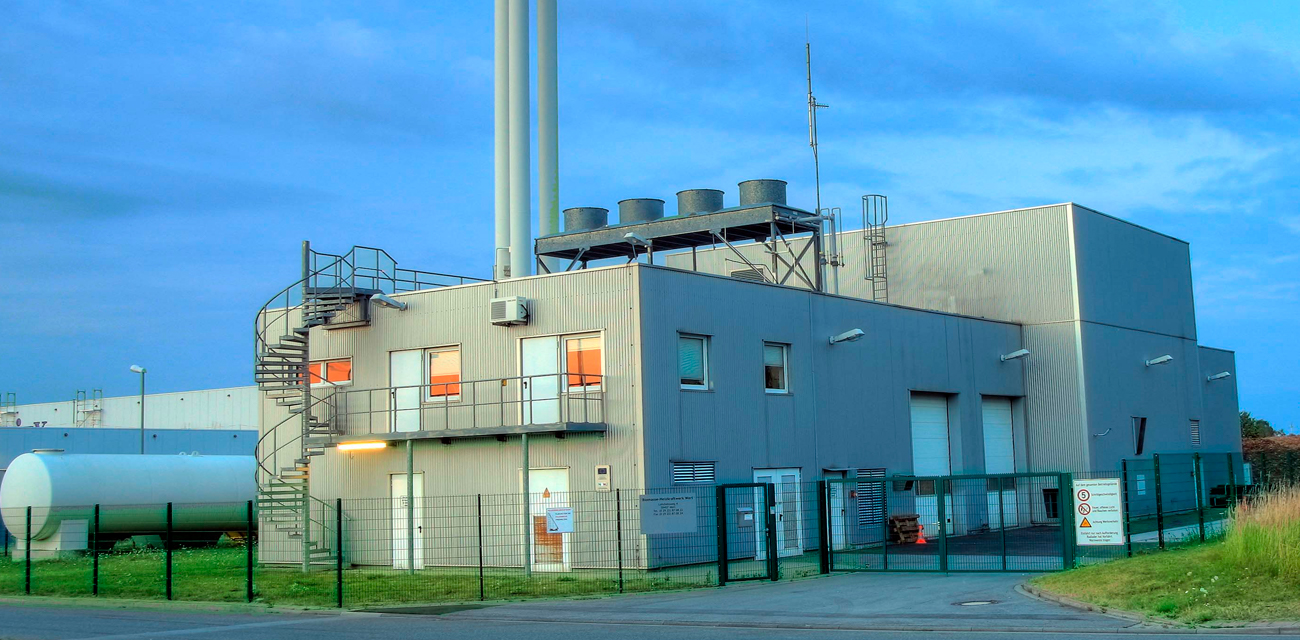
[(1220, 418), (848, 405), (1121, 386), (228, 408), (1132, 277), (1055, 406)]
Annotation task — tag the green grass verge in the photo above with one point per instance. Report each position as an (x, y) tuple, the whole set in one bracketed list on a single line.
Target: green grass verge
[(217, 574)]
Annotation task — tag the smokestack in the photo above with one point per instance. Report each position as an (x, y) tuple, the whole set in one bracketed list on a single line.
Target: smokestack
[(521, 232), (548, 146), (501, 149)]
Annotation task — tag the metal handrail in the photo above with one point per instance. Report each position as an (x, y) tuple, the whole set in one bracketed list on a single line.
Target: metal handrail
[(277, 447), (470, 404)]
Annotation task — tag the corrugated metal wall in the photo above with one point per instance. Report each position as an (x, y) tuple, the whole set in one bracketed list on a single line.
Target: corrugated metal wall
[(228, 408), (1220, 420)]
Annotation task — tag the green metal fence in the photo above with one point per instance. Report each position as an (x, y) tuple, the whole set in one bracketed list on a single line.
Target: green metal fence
[(478, 547)]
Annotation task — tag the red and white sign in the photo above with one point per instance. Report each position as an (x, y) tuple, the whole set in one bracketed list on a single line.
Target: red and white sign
[(1100, 508)]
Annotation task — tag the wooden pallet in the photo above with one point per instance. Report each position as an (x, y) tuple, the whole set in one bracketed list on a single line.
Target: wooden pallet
[(904, 528)]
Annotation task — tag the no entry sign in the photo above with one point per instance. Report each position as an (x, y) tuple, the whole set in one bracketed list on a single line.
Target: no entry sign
[(1098, 512)]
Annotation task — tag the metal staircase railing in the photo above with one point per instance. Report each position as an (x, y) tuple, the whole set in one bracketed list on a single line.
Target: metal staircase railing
[(333, 289)]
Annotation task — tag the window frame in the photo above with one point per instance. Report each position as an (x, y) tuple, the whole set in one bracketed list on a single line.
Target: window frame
[(579, 389), (427, 397), (704, 361), (785, 368), (325, 372), (1139, 434)]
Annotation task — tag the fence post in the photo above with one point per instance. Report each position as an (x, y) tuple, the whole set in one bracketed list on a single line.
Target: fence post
[(1128, 530), (720, 523), (884, 521), (618, 535), (1002, 520), (1232, 483), (1200, 501), (943, 523), (338, 550), (167, 550), (482, 593), (94, 555), (1160, 503), (27, 571), (773, 564), (823, 513), (1067, 522), (248, 552)]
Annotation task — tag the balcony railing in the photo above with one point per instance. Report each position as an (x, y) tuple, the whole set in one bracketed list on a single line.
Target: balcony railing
[(544, 399)]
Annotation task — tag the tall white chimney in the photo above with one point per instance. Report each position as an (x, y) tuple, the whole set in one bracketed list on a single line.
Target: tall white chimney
[(501, 147), (521, 232), (548, 147)]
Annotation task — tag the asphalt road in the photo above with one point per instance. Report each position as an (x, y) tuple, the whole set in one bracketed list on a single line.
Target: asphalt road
[(881, 606)]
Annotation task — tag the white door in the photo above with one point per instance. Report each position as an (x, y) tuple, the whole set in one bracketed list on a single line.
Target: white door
[(999, 457), (539, 363), (930, 456), (548, 489), (837, 511), (400, 522), (406, 376), (789, 514)]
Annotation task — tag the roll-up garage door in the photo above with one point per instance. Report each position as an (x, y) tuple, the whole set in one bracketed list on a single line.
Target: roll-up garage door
[(930, 435)]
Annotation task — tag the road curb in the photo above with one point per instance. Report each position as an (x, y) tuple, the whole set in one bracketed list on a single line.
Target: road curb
[(1258, 628)]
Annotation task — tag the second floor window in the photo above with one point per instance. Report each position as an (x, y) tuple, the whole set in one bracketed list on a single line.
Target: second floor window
[(583, 362), (775, 357), (331, 372), (444, 373), (693, 361)]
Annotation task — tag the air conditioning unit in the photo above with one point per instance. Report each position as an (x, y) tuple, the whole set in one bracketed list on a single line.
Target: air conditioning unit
[(509, 311)]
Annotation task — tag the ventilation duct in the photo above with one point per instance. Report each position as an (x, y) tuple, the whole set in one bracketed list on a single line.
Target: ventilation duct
[(754, 192), (640, 210), (693, 201), (585, 218)]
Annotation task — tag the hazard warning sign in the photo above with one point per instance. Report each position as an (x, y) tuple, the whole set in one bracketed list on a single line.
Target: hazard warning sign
[(1100, 509)]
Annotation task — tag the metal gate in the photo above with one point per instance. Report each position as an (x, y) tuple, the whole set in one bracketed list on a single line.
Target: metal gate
[(1006, 522), (747, 547)]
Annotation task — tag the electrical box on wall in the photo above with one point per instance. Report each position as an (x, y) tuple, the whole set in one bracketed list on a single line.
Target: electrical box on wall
[(509, 311), (602, 477)]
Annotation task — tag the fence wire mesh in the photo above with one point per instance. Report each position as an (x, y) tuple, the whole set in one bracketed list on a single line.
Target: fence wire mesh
[(376, 552)]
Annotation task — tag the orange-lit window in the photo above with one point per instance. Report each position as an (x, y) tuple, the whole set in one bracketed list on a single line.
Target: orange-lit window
[(444, 373), (334, 372), (583, 361)]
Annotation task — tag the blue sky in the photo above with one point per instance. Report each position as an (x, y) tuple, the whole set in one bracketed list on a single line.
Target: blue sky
[(160, 164)]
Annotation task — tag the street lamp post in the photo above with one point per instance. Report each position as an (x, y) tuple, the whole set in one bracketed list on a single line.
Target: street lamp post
[(135, 368)]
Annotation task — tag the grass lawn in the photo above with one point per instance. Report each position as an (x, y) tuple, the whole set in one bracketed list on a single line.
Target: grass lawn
[(1251, 574), (217, 574)]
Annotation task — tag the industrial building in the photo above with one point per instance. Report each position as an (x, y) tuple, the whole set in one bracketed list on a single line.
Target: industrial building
[(1012, 342)]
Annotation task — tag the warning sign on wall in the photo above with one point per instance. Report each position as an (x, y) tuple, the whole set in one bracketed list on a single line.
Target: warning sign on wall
[(1098, 512)]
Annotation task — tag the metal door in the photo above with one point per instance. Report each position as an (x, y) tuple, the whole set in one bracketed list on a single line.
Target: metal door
[(402, 534), (999, 458), (406, 379), (548, 489), (930, 455), (539, 364), (788, 510)]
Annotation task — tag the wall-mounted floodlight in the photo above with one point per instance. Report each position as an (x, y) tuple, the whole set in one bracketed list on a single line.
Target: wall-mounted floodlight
[(852, 335), (361, 446), (135, 368), (1161, 360), (1218, 376), (385, 301), (635, 240), (1019, 353)]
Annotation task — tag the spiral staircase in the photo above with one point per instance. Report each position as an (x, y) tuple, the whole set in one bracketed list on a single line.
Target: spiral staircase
[(283, 353)]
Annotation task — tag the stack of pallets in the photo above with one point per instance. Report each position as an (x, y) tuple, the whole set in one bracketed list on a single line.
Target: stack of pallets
[(904, 528)]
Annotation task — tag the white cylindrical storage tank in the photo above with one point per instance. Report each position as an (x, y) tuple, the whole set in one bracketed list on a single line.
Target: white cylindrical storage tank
[(209, 493)]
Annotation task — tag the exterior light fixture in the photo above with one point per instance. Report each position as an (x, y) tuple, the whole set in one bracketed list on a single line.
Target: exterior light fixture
[(1218, 376), (1015, 354), (852, 335), (361, 446), (1166, 359), (135, 368), (635, 240), (385, 301)]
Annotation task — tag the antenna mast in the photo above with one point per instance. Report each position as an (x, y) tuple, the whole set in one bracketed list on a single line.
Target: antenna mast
[(833, 259)]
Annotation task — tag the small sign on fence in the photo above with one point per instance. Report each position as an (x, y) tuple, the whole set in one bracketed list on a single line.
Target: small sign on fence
[(1098, 512), (668, 513), (559, 520)]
